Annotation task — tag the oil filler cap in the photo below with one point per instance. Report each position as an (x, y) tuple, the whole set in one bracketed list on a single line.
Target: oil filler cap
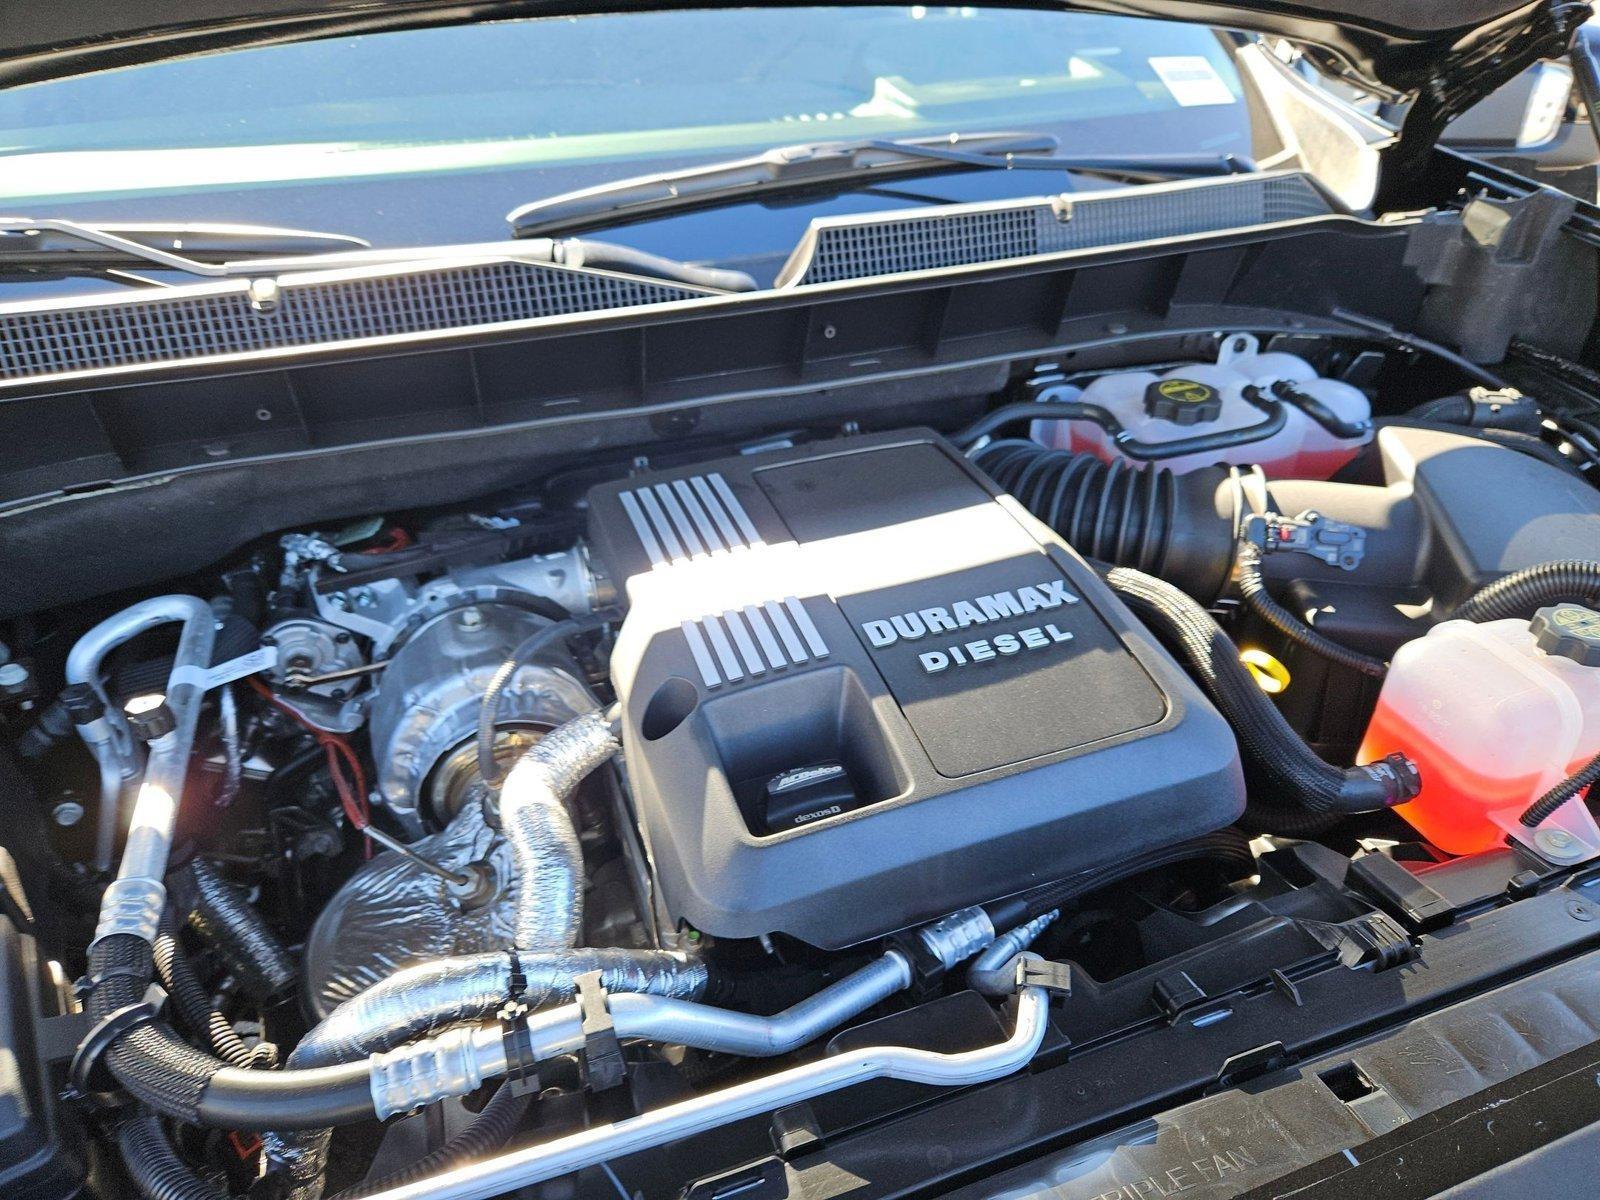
[(1182, 401), (1570, 630), (805, 794)]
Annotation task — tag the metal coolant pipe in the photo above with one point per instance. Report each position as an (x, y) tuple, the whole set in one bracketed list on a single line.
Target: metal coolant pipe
[(535, 1164), (134, 901), (685, 1023)]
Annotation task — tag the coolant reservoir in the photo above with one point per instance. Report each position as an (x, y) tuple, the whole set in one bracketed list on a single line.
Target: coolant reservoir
[(1305, 427), (1494, 715)]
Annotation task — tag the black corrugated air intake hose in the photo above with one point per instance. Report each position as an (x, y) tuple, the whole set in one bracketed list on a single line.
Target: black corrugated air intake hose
[(1522, 593), (1156, 522), (1287, 781), (1145, 518)]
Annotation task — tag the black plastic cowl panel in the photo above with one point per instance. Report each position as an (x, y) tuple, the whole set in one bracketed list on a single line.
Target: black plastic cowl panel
[(873, 604)]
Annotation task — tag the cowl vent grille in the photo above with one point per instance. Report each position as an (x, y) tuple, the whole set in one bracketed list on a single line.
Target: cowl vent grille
[(215, 320), (857, 247)]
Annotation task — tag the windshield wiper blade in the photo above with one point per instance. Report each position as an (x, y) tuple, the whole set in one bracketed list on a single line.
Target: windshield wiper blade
[(195, 248), (788, 169)]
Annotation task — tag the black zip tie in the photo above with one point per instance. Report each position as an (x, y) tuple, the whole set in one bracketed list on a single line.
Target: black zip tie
[(517, 986)]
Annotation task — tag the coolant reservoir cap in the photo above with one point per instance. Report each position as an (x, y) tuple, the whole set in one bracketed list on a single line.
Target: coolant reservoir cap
[(1182, 401), (1570, 630)]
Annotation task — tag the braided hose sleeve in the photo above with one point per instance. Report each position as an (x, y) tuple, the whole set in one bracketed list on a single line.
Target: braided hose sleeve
[(1247, 558), (1279, 766)]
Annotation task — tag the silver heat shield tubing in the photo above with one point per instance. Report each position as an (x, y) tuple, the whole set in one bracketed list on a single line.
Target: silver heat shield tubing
[(434, 996), (544, 845)]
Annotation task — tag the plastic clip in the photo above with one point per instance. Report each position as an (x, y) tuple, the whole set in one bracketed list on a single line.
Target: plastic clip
[(84, 1076), (1053, 977), (603, 1067)]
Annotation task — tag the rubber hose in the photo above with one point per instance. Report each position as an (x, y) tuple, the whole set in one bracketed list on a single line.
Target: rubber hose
[(1522, 593), (193, 1005), (489, 1132), (1247, 560), (154, 1165), (1482, 409), (581, 252), (50, 728), (162, 1071), (1279, 766), (1569, 787), (531, 648), (253, 952)]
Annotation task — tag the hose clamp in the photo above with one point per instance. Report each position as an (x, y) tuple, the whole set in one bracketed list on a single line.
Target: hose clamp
[(131, 906), (958, 936)]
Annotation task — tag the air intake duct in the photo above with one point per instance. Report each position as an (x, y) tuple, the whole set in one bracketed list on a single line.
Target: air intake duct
[(1178, 527)]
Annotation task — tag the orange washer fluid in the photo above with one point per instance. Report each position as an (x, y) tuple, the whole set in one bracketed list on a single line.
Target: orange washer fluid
[(1493, 715)]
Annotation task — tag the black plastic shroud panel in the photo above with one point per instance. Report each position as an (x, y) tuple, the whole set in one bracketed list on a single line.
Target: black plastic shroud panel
[(78, 435), (874, 603)]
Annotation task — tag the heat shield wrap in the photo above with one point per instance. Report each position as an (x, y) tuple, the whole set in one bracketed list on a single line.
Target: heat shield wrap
[(392, 914)]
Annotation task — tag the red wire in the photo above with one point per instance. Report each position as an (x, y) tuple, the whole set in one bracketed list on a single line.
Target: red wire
[(341, 757)]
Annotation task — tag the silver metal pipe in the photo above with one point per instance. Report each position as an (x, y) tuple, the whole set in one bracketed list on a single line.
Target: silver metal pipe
[(683, 1023), (561, 1156), (117, 776), (991, 972), (134, 901)]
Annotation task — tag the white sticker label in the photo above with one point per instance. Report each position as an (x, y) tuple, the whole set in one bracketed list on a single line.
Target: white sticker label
[(236, 668), (1192, 80)]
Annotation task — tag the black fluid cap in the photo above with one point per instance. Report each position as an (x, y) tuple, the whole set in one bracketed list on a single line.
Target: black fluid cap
[(149, 717), (1182, 401), (1570, 630)]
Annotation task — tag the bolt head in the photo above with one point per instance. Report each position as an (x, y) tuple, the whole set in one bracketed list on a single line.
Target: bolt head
[(13, 674), (1558, 844)]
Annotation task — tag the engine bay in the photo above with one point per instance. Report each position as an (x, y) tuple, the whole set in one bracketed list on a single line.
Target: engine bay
[(1154, 704)]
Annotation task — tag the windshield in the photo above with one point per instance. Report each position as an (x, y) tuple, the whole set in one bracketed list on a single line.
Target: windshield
[(433, 135)]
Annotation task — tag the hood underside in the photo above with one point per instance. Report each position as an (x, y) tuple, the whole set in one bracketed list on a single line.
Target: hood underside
[(1402, 45), (1441, 56)]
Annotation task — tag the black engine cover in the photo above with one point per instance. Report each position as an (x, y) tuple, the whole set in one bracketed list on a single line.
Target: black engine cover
[(862, 689)]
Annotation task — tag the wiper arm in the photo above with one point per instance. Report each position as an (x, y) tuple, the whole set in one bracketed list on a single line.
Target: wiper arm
[(789, 169), (197, 248)]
